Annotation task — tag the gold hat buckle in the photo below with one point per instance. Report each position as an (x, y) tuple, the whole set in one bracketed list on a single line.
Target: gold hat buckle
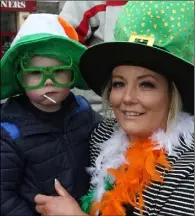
[(141, 38)]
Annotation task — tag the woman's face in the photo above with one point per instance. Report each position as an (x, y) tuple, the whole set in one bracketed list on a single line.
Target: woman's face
[(140, 100)]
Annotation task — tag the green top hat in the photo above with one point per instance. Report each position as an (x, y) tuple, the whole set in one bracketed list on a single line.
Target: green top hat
[(167, 24), (45, 35), (158, 35)]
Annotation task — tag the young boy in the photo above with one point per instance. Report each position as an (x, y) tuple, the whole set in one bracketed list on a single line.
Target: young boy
[(44, 128)]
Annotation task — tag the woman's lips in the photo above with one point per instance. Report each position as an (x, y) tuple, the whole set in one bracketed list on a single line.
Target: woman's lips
[(132, 115)]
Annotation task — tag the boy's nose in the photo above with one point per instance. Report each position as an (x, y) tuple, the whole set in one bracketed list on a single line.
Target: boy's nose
[(48, 82)]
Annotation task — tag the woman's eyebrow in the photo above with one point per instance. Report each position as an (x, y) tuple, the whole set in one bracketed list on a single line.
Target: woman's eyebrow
[(118, 76), (146, 76)]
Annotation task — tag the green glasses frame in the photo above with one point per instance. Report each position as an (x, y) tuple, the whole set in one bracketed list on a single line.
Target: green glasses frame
[(47, 73)]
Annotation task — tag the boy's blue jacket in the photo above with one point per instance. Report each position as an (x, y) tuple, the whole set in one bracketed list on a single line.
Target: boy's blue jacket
[(34, 154)]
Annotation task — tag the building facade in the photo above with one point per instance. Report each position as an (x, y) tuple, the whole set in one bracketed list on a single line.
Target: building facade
[(13, 14)]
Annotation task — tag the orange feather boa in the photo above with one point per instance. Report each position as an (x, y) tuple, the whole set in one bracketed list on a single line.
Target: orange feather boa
[(132, 178)]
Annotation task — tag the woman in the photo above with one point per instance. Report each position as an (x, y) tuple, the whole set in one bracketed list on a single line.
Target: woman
[(142, 162)]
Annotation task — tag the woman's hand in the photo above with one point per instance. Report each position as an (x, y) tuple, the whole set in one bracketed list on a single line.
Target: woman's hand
[(62, 205)]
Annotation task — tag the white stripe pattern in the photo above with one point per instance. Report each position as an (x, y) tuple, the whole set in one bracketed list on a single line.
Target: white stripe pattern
[(175, 197)]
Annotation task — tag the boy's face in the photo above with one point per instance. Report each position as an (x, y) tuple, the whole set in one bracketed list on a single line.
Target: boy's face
[(58, 94)]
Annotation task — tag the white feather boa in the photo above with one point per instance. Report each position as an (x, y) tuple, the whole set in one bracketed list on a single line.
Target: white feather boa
[(112, 150)]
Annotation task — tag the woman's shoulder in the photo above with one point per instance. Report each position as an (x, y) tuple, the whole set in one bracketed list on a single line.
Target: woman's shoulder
[(103, 131)]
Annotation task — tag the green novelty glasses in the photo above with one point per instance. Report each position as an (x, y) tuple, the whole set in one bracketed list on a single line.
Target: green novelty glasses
[(35, 77)]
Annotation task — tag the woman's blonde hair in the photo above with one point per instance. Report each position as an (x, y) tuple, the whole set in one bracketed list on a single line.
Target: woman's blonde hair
[(175, 105), (107, 107)]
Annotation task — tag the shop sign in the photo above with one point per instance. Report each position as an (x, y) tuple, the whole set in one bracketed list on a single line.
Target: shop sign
[(13, 4), (18, 5)]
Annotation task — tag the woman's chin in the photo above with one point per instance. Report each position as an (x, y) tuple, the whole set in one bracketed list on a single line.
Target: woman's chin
[(137, 133)]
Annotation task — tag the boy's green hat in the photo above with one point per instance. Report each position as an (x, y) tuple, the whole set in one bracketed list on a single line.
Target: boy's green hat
[(158, 35), (44, 35)]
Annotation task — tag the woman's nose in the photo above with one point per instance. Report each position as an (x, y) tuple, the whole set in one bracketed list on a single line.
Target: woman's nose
[(130, 96)]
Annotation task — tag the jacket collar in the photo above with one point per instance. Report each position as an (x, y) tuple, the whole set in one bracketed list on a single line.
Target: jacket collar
[(13, 111)]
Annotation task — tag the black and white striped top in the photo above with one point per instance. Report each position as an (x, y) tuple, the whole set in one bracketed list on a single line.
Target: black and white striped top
[(175, 196)]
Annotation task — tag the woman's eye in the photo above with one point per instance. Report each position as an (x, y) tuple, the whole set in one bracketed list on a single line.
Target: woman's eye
[(117, 84), (147, 85)]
